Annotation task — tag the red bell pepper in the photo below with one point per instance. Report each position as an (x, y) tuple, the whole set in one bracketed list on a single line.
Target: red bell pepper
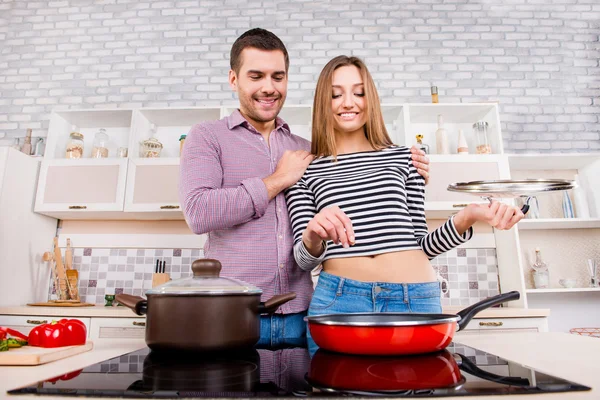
[(7, 331), (66, 332)]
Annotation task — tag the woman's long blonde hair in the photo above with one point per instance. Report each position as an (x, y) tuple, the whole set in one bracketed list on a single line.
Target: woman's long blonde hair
[(323, 137)]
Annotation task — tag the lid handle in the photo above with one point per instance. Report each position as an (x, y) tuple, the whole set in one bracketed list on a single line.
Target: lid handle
[(206, 268)]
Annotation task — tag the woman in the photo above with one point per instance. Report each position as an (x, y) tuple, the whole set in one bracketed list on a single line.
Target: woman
[(359, 208)]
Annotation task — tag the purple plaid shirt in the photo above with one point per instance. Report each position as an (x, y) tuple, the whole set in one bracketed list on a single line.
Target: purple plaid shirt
[(222, 193)]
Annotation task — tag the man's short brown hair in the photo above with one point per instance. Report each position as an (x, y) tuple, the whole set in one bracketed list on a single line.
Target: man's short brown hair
[(257, 38)]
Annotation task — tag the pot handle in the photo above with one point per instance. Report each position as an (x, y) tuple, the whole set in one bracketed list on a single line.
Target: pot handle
[(471, 311), (138, 304), (271, 305), (469, 367)]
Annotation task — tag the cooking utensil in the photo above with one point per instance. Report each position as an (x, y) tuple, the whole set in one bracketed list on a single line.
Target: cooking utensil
[(394, 333), (512, 188), (61, 273), (72, 274), (204, 312), (377, 375)]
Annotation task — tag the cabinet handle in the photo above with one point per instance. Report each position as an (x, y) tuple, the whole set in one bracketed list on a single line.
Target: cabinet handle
[(169, 207), (491, 324), (459, 205), (136, 323), (77, 207), (36, 321)]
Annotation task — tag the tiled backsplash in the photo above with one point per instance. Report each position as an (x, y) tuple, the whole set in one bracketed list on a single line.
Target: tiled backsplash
[(472, 274)]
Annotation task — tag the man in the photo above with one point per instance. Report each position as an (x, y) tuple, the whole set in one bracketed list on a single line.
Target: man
[(233, 174)]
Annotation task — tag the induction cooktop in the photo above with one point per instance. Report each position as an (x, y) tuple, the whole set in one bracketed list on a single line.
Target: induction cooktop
[(296, 372)]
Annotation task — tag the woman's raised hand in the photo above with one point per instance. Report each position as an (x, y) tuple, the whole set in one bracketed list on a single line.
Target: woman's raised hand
[(499, 215), (329, 224)]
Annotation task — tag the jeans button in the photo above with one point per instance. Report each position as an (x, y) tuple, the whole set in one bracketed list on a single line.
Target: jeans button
[(377, 289)]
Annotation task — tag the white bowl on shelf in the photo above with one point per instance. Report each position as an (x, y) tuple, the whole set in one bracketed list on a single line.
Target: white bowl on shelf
[(568, 282)]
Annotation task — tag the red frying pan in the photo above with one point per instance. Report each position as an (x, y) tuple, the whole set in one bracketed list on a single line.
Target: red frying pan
[(394, 333)]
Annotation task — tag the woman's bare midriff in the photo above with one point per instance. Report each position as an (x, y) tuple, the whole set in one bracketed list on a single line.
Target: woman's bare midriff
[(411, 266)]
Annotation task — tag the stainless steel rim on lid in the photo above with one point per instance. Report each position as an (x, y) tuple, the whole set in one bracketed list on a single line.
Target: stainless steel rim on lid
[(511, 188), (382, 319)]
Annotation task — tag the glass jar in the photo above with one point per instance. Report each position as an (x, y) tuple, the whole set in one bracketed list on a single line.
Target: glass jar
[(100, 149), (150, 148), (75, 145), (481, 133)]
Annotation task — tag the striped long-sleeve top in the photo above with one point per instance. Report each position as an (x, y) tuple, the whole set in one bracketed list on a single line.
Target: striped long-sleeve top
[(383, 195)]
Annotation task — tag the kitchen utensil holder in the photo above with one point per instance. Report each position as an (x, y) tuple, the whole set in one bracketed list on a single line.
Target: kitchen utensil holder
[(160, 278)]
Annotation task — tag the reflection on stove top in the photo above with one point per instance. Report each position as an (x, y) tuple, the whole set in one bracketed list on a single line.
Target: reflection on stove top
[(292, 372)]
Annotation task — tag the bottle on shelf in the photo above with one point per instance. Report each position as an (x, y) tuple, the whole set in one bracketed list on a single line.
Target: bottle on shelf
[(26, 149), (434, 94), (463, 147), (541, 276), (421, 145), (481, 133), (441, 137)]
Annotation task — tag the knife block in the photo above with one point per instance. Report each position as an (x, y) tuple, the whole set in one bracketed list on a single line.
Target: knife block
[(159, 279)]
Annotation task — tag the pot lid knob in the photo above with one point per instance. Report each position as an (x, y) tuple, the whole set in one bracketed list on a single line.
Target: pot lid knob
[(206, 267)]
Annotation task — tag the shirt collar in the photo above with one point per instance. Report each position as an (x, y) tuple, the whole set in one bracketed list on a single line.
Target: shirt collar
[(236, 119)]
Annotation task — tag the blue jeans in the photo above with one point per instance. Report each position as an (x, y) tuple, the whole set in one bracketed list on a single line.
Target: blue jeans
[(282, 329), (335, 295)]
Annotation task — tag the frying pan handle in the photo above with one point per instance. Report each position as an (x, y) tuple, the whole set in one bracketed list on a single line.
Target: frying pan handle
[(468, 366), (471, 311), (138, 304), (271, 305)]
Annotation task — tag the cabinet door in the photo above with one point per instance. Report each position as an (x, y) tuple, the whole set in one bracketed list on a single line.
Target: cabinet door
[(118, 328), (24, 324), (505, 325), (152, 187), (446, 170), (77, 188)]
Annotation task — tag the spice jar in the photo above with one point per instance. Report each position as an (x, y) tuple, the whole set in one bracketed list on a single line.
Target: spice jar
[(100, 149), (150, 148), (481, 133), (181, 141), (75, 145)]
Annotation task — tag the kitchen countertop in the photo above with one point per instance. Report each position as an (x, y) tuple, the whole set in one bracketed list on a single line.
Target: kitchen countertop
[(124, 312), (567, 356)]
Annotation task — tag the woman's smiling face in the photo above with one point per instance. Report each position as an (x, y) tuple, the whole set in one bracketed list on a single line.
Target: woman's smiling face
[(348, 100)]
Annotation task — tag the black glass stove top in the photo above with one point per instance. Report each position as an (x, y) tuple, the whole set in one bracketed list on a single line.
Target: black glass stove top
[(293, 372)]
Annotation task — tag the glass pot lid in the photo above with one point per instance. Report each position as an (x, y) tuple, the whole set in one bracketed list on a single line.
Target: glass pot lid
[(206, 281)]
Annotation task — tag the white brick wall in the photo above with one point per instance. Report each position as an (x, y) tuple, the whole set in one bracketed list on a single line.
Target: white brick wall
[(538, 58)]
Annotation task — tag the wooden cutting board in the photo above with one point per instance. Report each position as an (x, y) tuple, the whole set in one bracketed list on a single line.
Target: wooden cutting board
[(30, 355), (57, 304)]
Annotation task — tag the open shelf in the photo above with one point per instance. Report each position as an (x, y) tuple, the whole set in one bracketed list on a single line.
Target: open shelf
[(559, 223), (562, 290)]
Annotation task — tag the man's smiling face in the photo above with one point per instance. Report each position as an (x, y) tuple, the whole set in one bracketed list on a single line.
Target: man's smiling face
[(261, 84)]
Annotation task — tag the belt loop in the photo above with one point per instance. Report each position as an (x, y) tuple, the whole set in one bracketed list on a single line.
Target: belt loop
[(405, 289), (340, 286)]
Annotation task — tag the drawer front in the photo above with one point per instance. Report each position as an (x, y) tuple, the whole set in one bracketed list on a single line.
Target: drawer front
[(24, 324), (506, 325), (118, 328)]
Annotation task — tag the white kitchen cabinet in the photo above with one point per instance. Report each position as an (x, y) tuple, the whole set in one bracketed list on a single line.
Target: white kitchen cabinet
[(117, 328), (24, 234), (153, 188), (479, 326), (166, 125), (25, 323), (81, 188), (421, 119)]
